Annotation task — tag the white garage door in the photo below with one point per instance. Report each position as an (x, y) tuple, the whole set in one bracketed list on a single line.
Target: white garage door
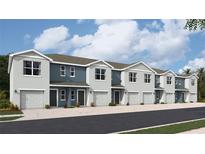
[(193, 97), (101, 98), (169, 98), (133, 98), (31, 99), (148, 98)]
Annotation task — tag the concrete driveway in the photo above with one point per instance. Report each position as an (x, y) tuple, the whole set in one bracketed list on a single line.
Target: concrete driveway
[(34, 114)]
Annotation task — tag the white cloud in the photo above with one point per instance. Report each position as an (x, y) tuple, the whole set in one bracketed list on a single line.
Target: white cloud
[(122, 40), (53, 38), (155, 25), (195, 63)]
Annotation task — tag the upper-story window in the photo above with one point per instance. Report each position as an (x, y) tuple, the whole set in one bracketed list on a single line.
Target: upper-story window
[(192, 82), (62, 95), (99, 74), (72, 71), (147, 78), (169, 80), (31, 68), (62, 70), (132, 77)]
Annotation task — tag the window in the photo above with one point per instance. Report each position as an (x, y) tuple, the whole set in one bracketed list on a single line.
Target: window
[(31, 68), (169, 80), (62, 95), (99, 74), (62, 70), (192, 82), (132, 77), (72, 94), (72, 71), (147, 78)]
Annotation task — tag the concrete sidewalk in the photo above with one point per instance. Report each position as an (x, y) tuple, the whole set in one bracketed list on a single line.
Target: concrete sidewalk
[(33, 114), (195, 131)]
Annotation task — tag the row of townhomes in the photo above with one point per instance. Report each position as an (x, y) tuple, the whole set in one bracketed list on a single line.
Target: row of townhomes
[(38, 79)]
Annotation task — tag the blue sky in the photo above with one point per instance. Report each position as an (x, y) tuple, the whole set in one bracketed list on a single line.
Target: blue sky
[(160, 43)]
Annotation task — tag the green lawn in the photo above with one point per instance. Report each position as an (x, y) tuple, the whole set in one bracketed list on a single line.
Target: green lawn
[(9, 118), (7, 112), (171, 129)]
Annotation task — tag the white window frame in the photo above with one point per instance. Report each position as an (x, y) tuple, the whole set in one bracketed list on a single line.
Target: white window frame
[(132, 77), (147, 78), (61, 70), (169, 80), (72, 95), (192, 82), (100, 74), (63, 94), (32, 68), (72, 71)]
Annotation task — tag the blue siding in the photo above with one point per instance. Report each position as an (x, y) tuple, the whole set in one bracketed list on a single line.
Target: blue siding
[(68, 96), (80, 74), (116, 77), (179, 83)]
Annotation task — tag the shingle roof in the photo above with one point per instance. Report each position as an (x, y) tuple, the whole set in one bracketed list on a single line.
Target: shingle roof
[(70, 59), (84, 61), (159, 70)]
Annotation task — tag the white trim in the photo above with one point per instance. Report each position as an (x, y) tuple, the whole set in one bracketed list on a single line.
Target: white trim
[(100, 91), (31, 89), (84, 95), (64, 63), (56, 96), (72, 71), (119, 95), (141, 62), (168, 72), (56, 85), (117, 87), (147, 92), (63, 70), (140, 70), (35, 57), (132, 91), (22, 52), (61, 94), (97, 61)]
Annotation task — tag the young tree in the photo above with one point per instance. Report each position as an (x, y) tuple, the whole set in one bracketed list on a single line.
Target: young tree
[(201, 83), (4, 76), (194, 24)]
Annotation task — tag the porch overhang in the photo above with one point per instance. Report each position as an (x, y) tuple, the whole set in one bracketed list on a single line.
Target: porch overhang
[(159, 88), (184, 89), (117, 87), (69, 84)]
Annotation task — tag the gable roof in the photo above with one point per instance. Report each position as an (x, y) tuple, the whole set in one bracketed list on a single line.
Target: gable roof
[(70, 59), (159, 71)]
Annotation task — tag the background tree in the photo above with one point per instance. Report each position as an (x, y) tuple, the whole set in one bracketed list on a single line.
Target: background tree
[(201, 83), (4, 76), (187, 71), (194, 24)]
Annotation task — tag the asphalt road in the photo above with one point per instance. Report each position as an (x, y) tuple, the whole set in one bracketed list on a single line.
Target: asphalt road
[(101, 124)]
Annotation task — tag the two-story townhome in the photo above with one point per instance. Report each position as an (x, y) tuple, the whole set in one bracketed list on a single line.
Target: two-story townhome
[(38, 79)]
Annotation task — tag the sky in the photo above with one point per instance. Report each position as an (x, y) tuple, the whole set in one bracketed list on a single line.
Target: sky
[(163, 44)]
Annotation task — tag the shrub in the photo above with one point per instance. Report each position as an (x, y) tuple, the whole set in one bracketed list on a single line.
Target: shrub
[(14, 107), (77, 104), (112, 104), (4, 104), (47, 106), (128, 104), (71, 106), (65, 105), (162, 102), (3, 95), (141, 103), (92, 104)]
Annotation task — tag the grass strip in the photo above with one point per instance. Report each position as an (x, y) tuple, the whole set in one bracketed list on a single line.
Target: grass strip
[(9, 118), (171, 129)]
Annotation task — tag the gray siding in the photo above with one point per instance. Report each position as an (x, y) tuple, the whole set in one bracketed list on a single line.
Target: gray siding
[(80, 74), (116, 77), (179, 83)]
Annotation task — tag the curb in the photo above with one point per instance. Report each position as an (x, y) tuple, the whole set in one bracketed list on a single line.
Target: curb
[(181, 122)]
